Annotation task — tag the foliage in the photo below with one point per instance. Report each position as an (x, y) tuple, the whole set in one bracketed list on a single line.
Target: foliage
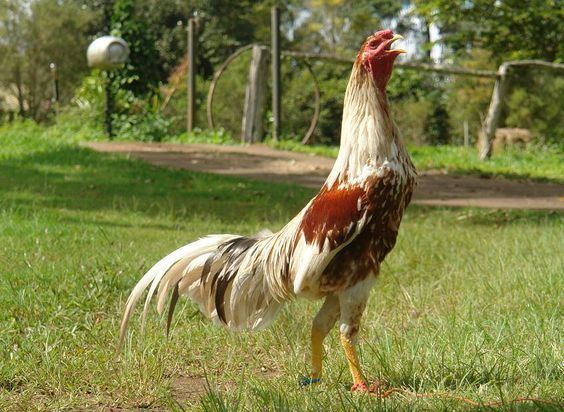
[(468, 98), (437, 123), (226, 26), (134, 87), (34, 34), (483, 34), (166, 21), (409, 115), (298, 100), (89, 96), (337, 26), (217, 136), (133, 118), (537, 103), (419, 107), (142, 72), (78, 228), (416, 100), (146, 125), (510, 30)]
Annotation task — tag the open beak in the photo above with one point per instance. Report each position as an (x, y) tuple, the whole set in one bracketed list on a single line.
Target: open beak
[(393, 39)]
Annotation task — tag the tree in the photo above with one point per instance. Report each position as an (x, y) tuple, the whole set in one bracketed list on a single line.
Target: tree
[(12, 57), (33, 34), (143, 72), (336, 26), (509, 29)]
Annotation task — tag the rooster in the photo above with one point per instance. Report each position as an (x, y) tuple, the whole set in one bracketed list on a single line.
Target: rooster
[(331, 250)]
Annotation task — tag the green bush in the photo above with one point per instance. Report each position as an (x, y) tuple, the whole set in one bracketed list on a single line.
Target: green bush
[(419, 107), (537, 103), (228, 100), (146, 125), (298, 101), (468, 98), (217, 136), (409, 115), (133, 118)]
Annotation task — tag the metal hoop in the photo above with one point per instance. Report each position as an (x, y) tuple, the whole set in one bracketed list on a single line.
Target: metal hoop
[(315, 117), (230, 59), (216, 76)]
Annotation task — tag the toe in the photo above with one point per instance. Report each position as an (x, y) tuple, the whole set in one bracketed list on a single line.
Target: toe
[(359, 387)]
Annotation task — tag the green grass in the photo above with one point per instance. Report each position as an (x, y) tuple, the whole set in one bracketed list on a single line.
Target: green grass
[(468, 303), (535, 163), (294, 146)]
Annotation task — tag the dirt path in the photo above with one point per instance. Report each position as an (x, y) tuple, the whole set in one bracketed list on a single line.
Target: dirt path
[(263, 163)]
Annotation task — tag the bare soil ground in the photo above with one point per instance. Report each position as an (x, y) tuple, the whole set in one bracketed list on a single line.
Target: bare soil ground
[(263, 163)]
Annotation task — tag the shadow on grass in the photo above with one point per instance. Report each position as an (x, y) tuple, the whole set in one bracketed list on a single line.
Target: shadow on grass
[(79, 179)]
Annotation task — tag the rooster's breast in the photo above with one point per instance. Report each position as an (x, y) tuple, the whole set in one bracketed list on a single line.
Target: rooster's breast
[(384, 200)]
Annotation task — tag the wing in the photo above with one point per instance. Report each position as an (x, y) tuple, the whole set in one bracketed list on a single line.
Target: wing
[(336, 216), (331, 221)]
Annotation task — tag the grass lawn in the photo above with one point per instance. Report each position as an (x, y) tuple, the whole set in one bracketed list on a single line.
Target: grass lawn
[(468, 303)]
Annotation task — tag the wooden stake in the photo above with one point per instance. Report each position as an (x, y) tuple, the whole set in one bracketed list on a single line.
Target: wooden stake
[(255, 97), (191, 78), (466, 134), (275, 47)]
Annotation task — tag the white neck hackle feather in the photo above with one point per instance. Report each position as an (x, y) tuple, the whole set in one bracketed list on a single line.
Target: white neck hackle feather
[(368, 136)]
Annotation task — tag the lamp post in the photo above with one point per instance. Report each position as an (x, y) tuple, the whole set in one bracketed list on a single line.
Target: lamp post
[(108, 53), (55, 81)]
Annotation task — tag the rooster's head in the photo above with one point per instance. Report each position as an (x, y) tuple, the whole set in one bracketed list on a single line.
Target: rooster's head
[(377, 56)]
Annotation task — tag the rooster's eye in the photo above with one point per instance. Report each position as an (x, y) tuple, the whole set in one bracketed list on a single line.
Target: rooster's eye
[(373, 44)]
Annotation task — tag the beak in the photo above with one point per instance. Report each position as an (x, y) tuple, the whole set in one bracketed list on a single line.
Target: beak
[(393, 39)]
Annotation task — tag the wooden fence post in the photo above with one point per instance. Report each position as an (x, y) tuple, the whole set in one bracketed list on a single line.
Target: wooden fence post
[(275, 47), (466, 133), (492, 118), (255, 97), (191, 78)]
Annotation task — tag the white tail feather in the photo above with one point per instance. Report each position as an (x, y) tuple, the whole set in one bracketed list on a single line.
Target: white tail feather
[(160, 269), (231, 278)]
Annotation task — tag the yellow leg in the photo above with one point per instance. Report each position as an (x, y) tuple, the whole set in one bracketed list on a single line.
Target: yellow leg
[(352, 359), (316, 353), (322, 324)]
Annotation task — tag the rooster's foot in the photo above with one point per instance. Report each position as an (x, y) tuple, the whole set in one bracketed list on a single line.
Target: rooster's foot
[(376, 388)]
